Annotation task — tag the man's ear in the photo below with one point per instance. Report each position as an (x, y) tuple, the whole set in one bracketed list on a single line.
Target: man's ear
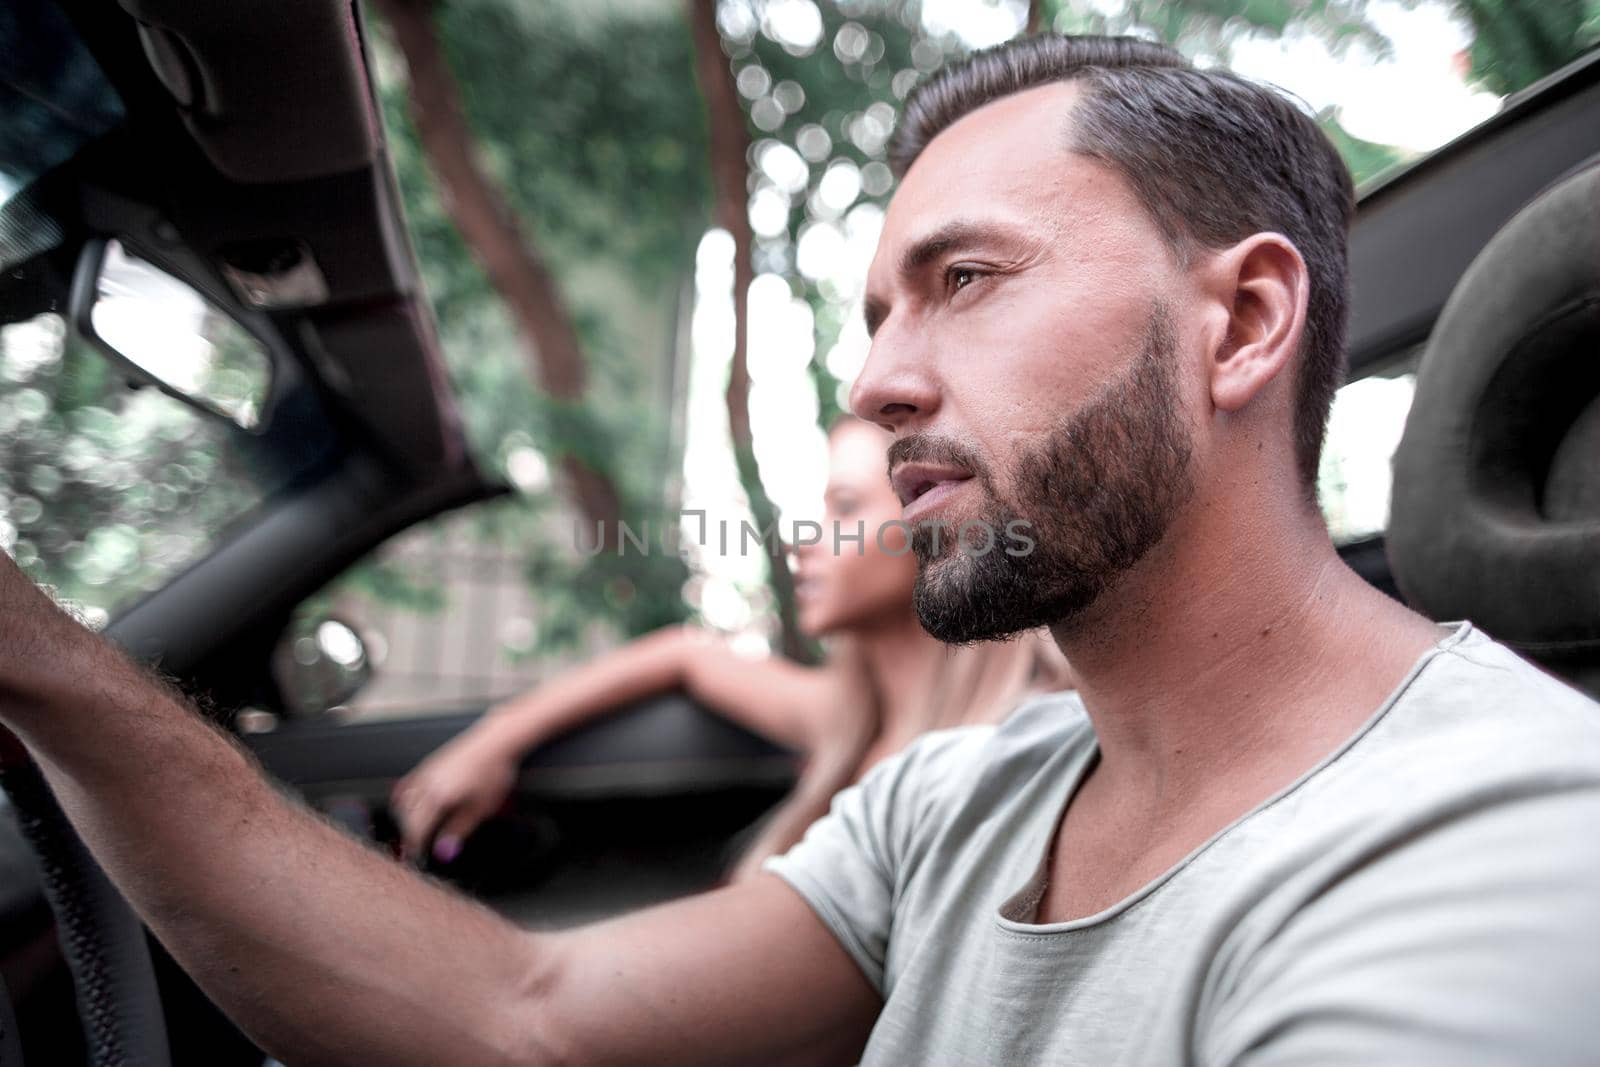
[(1264, 281)]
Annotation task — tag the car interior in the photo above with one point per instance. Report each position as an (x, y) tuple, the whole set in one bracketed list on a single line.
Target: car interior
[(236, 152)]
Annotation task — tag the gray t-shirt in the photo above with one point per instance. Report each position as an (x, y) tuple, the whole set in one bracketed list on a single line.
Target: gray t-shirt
[(1427, 894)]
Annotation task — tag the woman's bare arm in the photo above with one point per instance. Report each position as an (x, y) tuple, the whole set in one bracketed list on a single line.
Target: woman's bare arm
[(763, 693), (440, 802)]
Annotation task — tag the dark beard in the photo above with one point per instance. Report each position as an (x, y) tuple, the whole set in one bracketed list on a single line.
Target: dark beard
[(1096, 495)]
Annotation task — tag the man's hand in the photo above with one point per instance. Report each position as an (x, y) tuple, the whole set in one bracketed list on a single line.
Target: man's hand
[(326, 952)]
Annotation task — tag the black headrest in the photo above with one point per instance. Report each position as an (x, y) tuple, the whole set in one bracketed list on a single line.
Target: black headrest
[(1496, 508)]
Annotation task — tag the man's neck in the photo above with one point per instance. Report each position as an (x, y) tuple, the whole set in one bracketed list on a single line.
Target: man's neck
[(1240, 651)]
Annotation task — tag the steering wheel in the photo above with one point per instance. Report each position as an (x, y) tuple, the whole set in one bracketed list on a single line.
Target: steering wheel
[(119, 1001)]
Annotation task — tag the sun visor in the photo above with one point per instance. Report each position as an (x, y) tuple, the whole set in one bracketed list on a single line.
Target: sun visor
[(271, 92)]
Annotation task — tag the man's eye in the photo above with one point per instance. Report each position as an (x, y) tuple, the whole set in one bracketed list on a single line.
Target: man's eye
[(961, 277)]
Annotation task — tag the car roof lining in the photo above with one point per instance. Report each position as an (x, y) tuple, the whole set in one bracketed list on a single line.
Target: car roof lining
[(219, 61), (180, 177)]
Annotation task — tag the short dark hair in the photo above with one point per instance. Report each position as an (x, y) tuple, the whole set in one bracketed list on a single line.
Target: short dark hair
[(1212, 157)]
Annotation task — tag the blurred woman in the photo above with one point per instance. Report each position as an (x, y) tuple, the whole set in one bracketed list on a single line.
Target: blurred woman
[(885, 680)]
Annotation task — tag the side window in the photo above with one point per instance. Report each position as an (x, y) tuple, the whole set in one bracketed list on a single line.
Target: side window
[(1357, 471), (447, 619), (106, 491)]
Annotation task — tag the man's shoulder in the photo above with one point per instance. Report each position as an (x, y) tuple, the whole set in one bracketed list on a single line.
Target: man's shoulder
[(1475, 729), (1480, 705), (1475, 658)]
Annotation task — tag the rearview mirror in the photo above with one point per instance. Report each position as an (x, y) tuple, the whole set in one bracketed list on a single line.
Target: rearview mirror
[(169, 335)]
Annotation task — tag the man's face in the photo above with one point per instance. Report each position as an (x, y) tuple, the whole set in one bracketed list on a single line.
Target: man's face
[(1027, 352)]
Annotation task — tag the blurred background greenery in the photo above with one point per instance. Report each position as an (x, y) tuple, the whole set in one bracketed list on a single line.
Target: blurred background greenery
[(643, 226)]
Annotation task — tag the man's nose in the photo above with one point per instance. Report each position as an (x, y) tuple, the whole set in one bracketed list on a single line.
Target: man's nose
[(895, 388)]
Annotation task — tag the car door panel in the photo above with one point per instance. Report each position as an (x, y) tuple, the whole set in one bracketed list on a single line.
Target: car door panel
[(643, 805)]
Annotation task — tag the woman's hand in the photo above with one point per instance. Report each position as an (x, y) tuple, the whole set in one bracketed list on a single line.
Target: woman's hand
[(452, 791)]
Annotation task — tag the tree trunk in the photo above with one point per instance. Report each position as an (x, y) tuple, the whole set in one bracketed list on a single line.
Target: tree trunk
[(1036, 18), (729, 152), (490, 229)]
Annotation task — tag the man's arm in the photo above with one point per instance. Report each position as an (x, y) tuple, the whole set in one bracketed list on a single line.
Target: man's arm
[(326, 952)]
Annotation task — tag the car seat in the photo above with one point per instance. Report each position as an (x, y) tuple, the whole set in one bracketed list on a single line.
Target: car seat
[(1495, 515)]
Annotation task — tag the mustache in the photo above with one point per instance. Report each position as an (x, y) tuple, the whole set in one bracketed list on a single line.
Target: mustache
[(931, 448)]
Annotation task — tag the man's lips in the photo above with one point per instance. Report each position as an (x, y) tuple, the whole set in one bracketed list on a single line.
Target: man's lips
[(925, 484)]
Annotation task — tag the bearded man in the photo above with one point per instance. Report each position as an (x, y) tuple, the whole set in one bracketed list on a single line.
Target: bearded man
[(1284, 821)]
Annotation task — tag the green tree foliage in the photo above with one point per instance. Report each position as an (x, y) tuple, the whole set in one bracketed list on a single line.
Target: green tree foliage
[(1365, 159), (105, 490), (592, 127), (1517, 42)]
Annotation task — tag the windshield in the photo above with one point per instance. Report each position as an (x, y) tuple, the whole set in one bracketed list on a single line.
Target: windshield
[(53, 97)]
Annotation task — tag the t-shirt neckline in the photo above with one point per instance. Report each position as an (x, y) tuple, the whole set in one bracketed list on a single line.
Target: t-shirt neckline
[(1029, 896)]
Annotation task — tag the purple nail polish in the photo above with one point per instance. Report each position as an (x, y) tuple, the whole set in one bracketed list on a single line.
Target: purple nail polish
[(447, 848)]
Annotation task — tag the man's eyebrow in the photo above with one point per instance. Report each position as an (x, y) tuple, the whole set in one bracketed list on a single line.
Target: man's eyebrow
[(952, 237)]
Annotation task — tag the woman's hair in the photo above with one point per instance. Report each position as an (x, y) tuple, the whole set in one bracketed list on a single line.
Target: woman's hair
[(976, 684)]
